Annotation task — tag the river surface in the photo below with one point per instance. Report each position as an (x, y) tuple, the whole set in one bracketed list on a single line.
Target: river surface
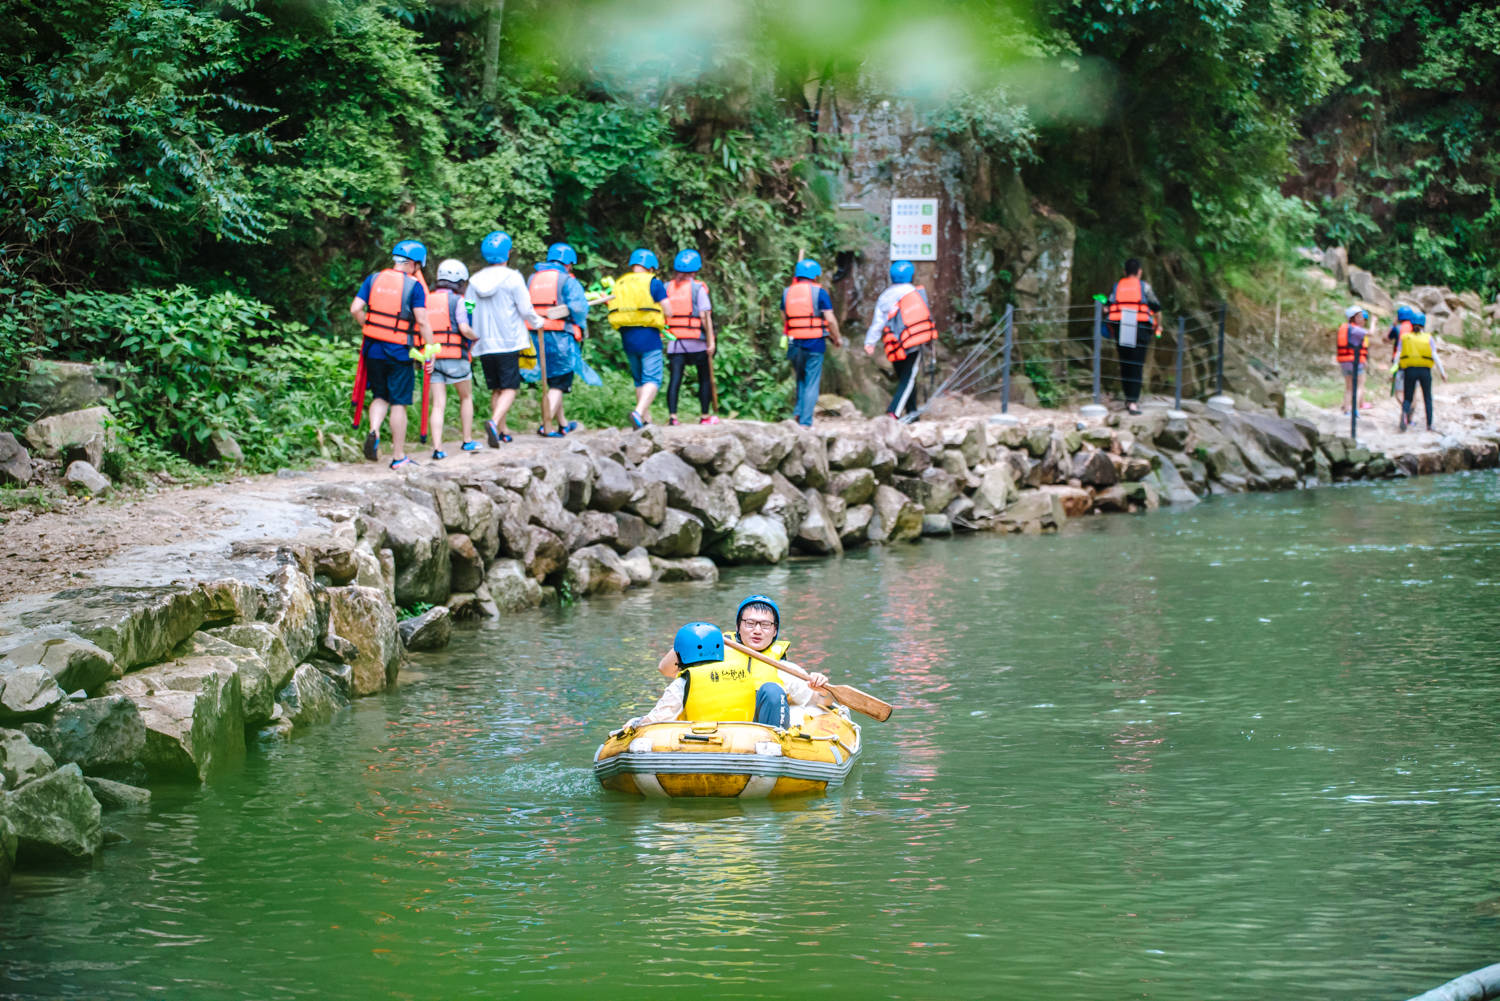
[(1246, 751)]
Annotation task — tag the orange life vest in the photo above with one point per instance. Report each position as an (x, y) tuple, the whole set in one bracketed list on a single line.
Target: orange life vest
[(909, 325), (1401, 329), (545, 287), (1345, 352), (1127, 295), (386, 318), (804, 320), (454, 344), (685, 324)]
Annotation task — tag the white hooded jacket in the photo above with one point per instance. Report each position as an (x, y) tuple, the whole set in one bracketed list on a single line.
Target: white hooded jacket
[(502, 310)]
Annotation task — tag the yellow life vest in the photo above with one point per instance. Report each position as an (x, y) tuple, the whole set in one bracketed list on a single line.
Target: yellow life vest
[(724, 691), (1416, 349), (632, 305)]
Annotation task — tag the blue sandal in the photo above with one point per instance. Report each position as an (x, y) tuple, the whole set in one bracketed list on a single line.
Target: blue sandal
[(436, 454), (470, 446), (405, 460)]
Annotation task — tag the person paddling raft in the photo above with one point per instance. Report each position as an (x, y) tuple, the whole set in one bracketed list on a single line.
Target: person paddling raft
[(715, 684)]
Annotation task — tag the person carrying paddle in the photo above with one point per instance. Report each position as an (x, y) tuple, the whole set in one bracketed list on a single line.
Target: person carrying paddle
[(391, 310), (713, 684)]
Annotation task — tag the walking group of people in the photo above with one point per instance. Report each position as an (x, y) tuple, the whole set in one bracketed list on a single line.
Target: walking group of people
[(1414, 354), (532, 328)]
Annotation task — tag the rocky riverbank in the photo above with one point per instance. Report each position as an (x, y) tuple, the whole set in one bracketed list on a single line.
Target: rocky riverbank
[(109, 688)]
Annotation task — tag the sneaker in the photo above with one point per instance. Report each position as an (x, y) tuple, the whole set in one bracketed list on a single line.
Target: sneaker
[(570, 428), (492, 433), (550, 434), (372, 446), (470, 446), (439, 454), (637, 420), (402, 462), (708, 419), (672, 421)]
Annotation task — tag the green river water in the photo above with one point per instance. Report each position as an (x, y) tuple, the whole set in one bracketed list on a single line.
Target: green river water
[(1246, 751)]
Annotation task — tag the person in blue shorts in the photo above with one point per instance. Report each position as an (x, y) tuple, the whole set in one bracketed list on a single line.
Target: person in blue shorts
[(391, 310)]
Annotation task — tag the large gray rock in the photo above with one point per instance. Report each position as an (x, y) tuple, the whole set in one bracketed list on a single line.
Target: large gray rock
[(63, 386), (850, 449), (415, 535), (72, 660), (137, 625), (596, 527), (1363, 285), (1165, 480), (968, 437), (715, 503), (429, 631), (511, 587), (482, 523), (28, 693), (194, 716), (1034, 511), (117, 795), (765, 445), (856, 530), (855, 486), (443, 496), (696, 568), (546, 554), (21, 761), (310, 697), (55, 818), (637, 563), (1093, 468), (680, 534), (1280, 437), (15, 461), (631, 531), (101, 736), (333, 562), (934, 489), (596, 570), (786, 504), (713, 454), (8, 844), (612, 485), (806, 464), (50, 437), (361, 616), (648, 499), (997, 488), (751, 487), (897, 517), (756, 539), (817, 534), (574, 475), (543, 505), (257, 681), (266, 642), (465, 567)]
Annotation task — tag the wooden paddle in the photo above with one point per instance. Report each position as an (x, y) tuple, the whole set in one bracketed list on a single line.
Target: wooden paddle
[(852, 697)]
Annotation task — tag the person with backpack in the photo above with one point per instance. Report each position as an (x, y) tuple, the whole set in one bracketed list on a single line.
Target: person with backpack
[(692, 331), (807, 321), (640, 312), (391, 310), (903, 323), (1130, 321)]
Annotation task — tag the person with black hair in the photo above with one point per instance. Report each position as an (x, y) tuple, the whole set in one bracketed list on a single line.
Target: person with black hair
[(1130, 321)]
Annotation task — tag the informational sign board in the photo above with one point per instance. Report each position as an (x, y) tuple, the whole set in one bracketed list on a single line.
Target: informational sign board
[(914, 229)]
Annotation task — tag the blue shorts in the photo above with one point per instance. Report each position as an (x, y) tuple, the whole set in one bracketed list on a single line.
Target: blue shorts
[(645, 367), (390, 381)]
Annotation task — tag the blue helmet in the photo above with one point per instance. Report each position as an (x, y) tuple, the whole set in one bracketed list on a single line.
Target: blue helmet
[(698, 643), (495, 248), (1418, 319), (411, 250), (562, 254), (1404, 313), (687, 261), (758, 599), (644, 258), (807, 268), (902, 271)]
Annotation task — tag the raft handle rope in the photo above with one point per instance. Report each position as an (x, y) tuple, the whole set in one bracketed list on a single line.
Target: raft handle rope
[(701, 738)]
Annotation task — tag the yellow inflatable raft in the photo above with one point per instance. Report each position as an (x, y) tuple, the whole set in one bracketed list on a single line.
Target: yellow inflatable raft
[(744, 760)]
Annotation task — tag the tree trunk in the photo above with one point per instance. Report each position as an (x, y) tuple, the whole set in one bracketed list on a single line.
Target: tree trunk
[(492, 25)]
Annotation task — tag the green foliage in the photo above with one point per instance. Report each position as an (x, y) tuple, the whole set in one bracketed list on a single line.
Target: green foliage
[(1048, 392), (413, 610)]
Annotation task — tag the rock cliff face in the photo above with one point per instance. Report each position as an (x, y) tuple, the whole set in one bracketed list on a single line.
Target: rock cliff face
[(106, 684)]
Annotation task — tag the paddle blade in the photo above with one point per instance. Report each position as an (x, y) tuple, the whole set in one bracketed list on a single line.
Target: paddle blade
[(862, 702)]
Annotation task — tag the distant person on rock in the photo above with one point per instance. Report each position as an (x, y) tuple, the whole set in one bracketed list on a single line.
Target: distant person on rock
[(554, 290), (807, 319), (1130, 321), (640, 312), (692, 330), (391, 310), (903, 323), (449, 319), (1404, 316), (1416, 355), (502, 314), (715, 684), (1352, 347)]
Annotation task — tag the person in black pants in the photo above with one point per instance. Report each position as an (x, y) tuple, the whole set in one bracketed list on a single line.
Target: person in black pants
[(1132, 300)]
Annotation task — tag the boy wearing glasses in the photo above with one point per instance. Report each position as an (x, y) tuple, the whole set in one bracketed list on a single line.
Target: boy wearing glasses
[(757, 626)]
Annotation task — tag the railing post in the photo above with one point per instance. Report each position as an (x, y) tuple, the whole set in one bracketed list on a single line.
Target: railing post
[(1223, 312), (1010, 315), (1354, 401), (1181, 336), (1098, 324)]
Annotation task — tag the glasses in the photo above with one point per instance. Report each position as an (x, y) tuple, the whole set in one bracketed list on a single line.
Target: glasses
[(757, 624)]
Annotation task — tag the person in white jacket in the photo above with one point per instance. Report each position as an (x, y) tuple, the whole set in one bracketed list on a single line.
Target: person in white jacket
[(502, 314)]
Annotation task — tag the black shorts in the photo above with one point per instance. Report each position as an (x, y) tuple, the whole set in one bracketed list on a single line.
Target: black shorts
[(390, 381), (501, 371), (563, 382)]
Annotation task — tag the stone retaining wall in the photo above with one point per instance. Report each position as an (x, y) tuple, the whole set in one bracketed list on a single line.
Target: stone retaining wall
[(104, 689)]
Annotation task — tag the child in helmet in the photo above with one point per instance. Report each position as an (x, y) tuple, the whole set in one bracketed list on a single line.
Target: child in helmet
[(757, 626), (449, 318)]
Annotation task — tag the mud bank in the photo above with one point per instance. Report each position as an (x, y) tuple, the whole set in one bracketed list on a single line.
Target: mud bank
[(106, 690)]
